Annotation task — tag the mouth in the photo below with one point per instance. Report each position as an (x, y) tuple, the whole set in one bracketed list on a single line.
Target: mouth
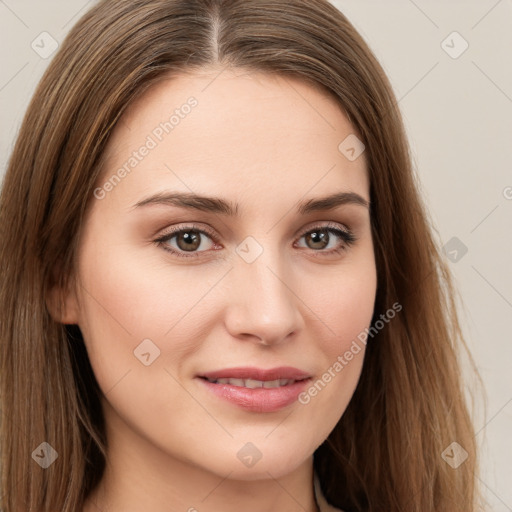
[(255, 384), (255, 389)]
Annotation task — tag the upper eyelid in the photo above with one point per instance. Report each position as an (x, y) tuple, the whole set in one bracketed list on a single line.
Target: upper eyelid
[(201, 229)]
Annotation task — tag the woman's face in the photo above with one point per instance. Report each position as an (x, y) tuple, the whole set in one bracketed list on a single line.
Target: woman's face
[(207, 253)]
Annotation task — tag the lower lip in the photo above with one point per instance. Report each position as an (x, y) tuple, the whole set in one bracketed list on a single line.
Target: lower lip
[(258, 399)]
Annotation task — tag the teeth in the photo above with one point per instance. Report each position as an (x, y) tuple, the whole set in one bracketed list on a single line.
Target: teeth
[(252, 383)]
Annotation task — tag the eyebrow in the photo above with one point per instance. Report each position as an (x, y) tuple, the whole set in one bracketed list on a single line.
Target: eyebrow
[(223, 207)]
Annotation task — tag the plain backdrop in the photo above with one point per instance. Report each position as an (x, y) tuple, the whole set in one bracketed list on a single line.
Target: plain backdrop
[(450, 66)]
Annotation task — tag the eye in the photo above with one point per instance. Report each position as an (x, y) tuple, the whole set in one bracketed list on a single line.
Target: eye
[(328, 239), (185, 240)]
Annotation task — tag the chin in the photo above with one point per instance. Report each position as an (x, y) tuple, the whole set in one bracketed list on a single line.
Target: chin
[(251, 463), (273, 468)]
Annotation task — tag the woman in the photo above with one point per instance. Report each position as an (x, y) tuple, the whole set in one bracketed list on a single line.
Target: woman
[(185, 175)]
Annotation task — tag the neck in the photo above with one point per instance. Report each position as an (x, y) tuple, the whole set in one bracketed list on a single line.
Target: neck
[(140, 476)]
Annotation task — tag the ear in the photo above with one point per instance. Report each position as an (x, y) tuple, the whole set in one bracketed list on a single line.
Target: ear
[(62, 304)]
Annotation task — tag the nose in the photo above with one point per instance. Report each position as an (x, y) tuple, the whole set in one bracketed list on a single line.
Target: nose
[(262, 306)]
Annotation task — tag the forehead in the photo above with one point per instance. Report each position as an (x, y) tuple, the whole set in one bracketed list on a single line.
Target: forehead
[(234, 131)]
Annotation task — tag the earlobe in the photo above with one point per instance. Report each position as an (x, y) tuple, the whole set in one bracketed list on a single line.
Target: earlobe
[(62, 305)]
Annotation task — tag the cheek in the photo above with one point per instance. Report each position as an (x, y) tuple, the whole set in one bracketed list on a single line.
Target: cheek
[(128, 298), (345, 307), (345, 304)]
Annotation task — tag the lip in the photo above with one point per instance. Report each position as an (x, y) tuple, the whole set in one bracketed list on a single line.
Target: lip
[(250, 372), (257, 399)]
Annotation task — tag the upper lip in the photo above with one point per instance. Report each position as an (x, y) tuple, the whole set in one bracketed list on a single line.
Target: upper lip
[(282, 372)]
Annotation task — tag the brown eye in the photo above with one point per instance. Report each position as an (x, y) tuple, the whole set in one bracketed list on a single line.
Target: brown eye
[(317, 239), (328, 239), (188, 240)]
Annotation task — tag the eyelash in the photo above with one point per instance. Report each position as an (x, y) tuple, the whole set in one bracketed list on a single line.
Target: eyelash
[(346, 235)]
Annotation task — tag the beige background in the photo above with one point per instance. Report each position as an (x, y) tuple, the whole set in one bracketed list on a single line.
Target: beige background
[(458, 113)]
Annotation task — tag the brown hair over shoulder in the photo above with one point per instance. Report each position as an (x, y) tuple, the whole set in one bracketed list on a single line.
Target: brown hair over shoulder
[(385, 452)]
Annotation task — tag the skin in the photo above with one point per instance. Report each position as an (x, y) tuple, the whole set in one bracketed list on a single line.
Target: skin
[(264, 142)]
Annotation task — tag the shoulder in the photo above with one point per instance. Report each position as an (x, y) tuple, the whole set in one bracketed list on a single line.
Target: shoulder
[(320, 498)]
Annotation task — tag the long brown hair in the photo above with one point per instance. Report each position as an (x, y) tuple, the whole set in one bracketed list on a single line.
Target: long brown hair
[(385, 453)]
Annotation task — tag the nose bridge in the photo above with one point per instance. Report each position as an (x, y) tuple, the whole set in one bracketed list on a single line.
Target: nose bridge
[(263, 304)]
